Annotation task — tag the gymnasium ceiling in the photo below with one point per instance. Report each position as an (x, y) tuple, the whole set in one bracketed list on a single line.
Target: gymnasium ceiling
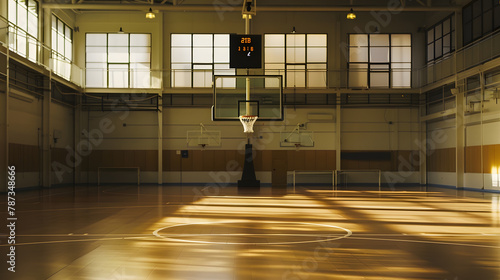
[(262, 5)]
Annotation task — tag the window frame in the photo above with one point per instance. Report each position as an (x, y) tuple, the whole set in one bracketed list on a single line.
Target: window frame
[(128, 63), (192, 68), (389, 63), (468, 37), (56, 55), (19, 31), (285, 71), (452, 33)]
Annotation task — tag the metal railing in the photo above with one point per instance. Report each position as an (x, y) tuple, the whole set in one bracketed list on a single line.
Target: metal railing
[(473, 54)]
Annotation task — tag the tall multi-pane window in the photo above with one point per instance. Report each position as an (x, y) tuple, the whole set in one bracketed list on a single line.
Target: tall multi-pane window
[(62, 47), (300, 58), (196, 57), (441, 39), (380, 60), (23, 30), (479, 18), (115, 60)]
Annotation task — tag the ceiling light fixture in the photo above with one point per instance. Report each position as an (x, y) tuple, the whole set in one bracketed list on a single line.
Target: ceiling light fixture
[(351, 14), (150, 14)]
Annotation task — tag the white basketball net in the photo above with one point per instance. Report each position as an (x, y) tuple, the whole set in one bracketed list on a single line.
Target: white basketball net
[(248, 122)]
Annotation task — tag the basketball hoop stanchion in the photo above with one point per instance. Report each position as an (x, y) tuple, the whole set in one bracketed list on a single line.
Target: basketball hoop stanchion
[(248, 179)]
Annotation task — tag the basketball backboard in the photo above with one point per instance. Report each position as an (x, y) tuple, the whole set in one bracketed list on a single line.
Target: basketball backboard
[(296, 138), (203, 137), (230, 99)]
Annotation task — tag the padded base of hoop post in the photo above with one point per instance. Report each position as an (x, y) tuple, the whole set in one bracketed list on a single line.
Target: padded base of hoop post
[(248, 180)]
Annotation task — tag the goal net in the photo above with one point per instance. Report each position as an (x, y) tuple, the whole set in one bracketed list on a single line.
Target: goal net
[(352, 178)]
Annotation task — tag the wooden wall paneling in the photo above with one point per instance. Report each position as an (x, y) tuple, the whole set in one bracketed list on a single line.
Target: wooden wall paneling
[(428, 162), (208, 160), (291, 160), (451, 159), (230, 161), (384, 165), (321, 160), (310, 160), (15, 156), (174, 161), (25, 159), (29, 153), (432, 160), (473, 159), (118, 158), (367, 164), (438, 162), (442, 160), (36, 158), (139, 159), (106, 159), (166, 160), (19, 157), (282, 155), (299, 160), (94, 160), (401, 158), (219, 160), (35, 155), (267, 160), (487, 158), (257, 160), (496, 158), (493, 158), (151, 160), (12, 155), (348, 164), (59, 155), (197, 160), (331, 160), (129, 158), (415, 160)]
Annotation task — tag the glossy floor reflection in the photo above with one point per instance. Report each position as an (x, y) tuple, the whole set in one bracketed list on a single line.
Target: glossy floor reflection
[(150, 232)]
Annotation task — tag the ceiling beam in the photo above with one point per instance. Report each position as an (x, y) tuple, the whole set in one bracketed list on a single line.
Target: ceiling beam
[(212, 8)]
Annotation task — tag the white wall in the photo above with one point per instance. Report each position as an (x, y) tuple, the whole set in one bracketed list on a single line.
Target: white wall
[(124, 130), (369, 129), (177, 121)]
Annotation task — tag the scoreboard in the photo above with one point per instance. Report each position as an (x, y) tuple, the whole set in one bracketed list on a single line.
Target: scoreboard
[(245, 51)]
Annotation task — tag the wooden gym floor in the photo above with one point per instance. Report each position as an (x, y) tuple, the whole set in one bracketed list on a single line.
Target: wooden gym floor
[(172, 232)]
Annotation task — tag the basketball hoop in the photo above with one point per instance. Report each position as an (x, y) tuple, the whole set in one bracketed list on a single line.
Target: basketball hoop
[(248, 122), (297, 146)]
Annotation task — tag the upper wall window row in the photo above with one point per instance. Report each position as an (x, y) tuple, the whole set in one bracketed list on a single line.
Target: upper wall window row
[(195, 58), (118, 60), (441, 38), (23, 16), (62, 47), (480, 17), (380, 60), (300, 58)]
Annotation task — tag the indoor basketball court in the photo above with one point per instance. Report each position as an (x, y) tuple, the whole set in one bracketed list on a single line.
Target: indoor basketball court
[(181, 139)]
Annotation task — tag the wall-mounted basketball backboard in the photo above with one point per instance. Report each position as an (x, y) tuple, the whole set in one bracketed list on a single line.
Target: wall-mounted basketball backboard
[(231, 100), (203, 138), (296, 138)]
